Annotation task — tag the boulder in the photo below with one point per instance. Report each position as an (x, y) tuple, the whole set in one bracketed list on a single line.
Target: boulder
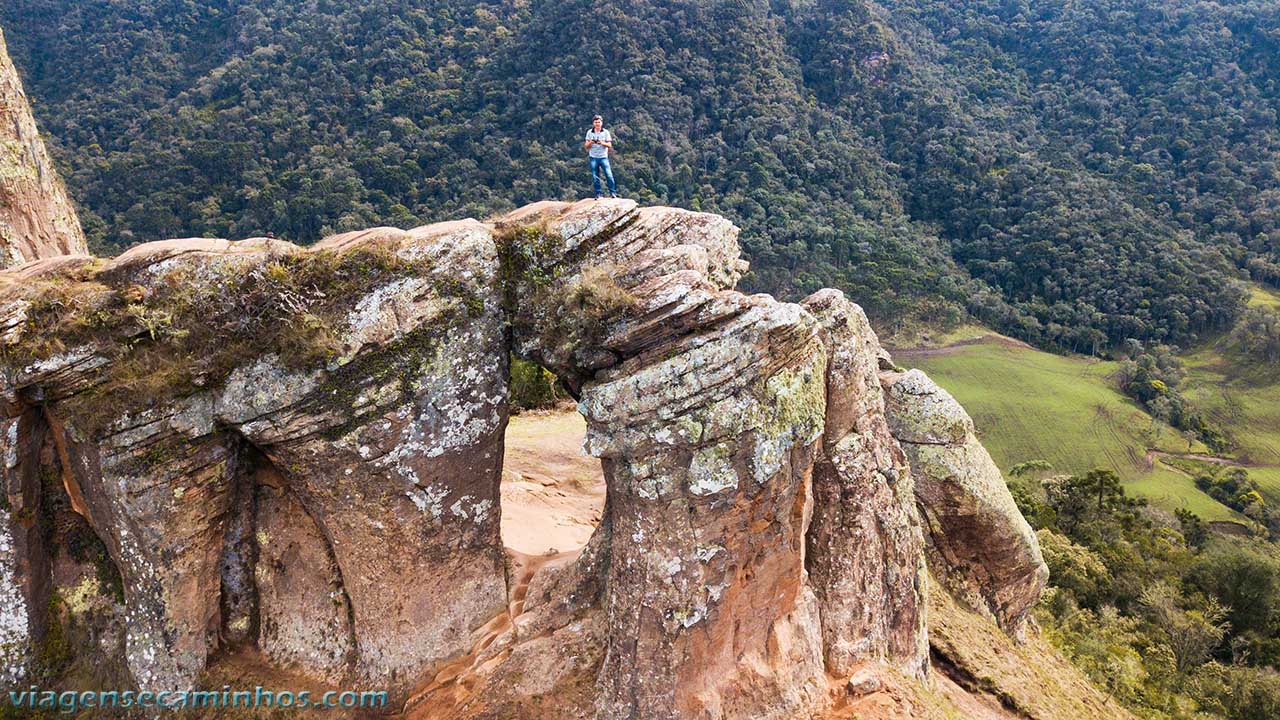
[(979, 544), (295, 454)]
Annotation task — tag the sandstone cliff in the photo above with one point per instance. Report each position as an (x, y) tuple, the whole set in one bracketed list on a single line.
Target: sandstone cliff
[(220, 449), (37, 219)]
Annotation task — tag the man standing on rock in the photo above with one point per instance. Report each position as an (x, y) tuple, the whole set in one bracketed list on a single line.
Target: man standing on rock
[(599, 144)]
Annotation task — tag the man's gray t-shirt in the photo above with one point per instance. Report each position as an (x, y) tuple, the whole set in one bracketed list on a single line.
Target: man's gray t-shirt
[(599, 151)]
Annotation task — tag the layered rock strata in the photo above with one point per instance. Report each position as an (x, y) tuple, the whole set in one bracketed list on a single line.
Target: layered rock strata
[(297, 451)]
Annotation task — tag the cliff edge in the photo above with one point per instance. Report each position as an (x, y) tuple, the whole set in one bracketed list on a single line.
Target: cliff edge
[(221, 449), (37, 219)]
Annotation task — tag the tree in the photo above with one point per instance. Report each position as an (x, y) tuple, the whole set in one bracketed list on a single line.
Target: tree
[(1031, 467), (1257, 335), (1191, 634), (1243, 580), (1193, 528), (1120, 199)]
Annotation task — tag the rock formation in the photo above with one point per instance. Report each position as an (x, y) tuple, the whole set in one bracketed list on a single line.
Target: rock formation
[(979, 543), (37, 219), (296, 452)]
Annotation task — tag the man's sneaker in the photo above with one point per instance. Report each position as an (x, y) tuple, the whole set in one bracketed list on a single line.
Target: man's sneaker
[(599, 196), (613, 195)]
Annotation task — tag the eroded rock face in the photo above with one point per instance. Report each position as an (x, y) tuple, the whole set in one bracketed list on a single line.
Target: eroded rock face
[(304, 613), (705, 406), (14, 629), (865, 546), (980, 545), (15, 639), (37, 219), (391, 445), (321, 484)]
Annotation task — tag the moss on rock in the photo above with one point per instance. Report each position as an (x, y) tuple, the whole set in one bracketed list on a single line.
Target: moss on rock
[(189, 327)]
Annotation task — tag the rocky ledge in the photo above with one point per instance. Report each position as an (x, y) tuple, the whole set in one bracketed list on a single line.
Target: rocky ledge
[(215, 448)]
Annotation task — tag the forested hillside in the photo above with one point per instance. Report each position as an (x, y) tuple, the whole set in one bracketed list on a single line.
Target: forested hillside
[(1072, 174)]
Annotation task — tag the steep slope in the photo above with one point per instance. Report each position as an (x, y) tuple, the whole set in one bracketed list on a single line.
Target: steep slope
[(1032, 405), (1027, 680), (921, 156), (36, 218), (291, 455)]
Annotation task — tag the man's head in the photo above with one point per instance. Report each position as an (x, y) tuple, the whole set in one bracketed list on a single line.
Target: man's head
[(597, 122)]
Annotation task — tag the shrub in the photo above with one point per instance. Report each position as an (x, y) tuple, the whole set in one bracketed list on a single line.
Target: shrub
[(186, 331), (533, 387)]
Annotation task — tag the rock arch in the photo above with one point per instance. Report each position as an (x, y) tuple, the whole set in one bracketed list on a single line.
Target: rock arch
[(761, 533)]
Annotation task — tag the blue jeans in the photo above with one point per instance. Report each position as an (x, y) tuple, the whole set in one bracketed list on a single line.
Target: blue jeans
[(598, 164)]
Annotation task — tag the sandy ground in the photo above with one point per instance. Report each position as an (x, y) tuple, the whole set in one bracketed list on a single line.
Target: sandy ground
[(552, 494), (552, 500)]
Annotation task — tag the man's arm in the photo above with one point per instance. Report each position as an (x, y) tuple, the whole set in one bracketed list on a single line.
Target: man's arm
[(608, 141)]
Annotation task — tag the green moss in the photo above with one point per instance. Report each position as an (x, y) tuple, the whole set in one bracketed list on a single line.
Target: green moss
[(187, 331), (54, 652), (796, 398), (399, 365), (528, 261), (155, 456), (459, 290), (566, 316)]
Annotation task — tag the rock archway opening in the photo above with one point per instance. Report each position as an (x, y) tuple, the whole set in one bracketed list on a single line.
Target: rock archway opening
[(553, 494)]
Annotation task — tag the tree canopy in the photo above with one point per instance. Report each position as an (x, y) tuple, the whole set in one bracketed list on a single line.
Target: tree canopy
[(1074, 175)]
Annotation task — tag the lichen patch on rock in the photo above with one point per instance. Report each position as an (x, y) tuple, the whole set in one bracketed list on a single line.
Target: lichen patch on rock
[(297, 453)]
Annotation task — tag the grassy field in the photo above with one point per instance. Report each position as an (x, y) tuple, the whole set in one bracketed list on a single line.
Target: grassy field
[(1031, 405), (1264, 297), (1245, 402)]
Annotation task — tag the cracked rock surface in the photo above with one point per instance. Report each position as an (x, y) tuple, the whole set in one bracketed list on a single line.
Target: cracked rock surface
[(979, 543), (314, 476), (37, 219)]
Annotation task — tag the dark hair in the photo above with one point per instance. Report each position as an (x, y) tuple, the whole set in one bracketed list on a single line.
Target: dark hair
[(597, 118)]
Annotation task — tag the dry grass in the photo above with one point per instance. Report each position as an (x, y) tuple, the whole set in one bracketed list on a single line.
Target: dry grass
[(191, 327)]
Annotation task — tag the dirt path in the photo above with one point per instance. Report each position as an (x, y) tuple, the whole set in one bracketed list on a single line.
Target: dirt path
[(457, 680), (552, 500), (552, 494), (919, 352), (1153, 453)]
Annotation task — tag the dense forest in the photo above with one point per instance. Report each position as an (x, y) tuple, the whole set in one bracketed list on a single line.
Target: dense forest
[(1073, 174), (1099, 176), (1176, 621)]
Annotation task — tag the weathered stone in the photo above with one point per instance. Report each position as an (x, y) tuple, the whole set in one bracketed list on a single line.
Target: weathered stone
[(239, 602), (865, 545), (304, 614), (339, 510), (15, 631), (979, 544), (864, 681), (158, 493), (705, 406), (404, 455), (24, 557), (37, 219)]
